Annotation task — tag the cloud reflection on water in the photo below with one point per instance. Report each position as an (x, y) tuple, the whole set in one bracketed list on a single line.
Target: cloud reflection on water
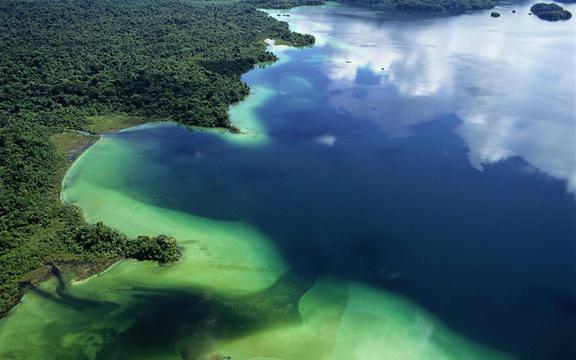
[(511, 81)]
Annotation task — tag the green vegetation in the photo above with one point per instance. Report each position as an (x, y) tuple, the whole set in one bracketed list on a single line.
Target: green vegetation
[(72, 142), (69, 66), (283, 4), (161, 248), (435, 6), (550, 12), (111, 122), (100, 239), (169, 59)]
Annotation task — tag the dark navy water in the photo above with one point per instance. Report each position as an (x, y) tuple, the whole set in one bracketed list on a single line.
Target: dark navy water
[(433, 158)]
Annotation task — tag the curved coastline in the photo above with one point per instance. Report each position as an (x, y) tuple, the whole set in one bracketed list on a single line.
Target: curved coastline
[(319, 308), (75, 154)]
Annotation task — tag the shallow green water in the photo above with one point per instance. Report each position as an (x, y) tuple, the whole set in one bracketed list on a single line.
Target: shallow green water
[(231, 294), (390, 198)]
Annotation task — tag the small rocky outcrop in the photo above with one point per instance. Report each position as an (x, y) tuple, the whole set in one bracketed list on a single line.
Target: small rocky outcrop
[(550, 12)]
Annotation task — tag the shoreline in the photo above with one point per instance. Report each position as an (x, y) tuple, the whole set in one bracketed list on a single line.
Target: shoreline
[(49, 236), (96, 131), (72, 147)]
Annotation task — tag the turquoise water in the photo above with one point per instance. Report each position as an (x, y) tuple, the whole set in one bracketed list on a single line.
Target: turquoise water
[(402, 190)]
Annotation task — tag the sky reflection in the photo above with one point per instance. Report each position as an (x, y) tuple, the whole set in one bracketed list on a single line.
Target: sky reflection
[(511, 80)]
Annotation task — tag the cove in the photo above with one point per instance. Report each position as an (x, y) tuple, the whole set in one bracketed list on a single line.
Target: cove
[(398, 194)]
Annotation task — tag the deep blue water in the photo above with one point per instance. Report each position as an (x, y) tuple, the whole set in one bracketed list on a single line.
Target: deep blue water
[(442, 174)]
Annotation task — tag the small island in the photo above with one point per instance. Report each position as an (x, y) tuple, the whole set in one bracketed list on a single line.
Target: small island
[(550, 12), (495, 14)]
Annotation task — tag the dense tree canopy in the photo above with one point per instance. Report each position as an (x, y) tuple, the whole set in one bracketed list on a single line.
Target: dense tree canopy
[(167, 59), (550, 12), (438, 6), (161, 248), (283, 4), (434, 6), (64, 61)]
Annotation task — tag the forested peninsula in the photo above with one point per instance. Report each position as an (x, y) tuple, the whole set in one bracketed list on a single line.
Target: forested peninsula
[(72, 68)]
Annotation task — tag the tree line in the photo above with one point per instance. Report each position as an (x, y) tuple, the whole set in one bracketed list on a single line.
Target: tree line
[(62, 61), (431, 6)]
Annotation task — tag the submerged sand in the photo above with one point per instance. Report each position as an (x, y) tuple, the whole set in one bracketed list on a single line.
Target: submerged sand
[(232, 280)]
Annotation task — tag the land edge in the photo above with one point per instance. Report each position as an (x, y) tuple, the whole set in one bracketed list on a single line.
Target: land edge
[(77, 270)]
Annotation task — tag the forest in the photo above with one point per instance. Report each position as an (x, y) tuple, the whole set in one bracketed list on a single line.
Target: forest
[(550, 12), (283, 4), (434, 6), (63, 62), (430, 6)]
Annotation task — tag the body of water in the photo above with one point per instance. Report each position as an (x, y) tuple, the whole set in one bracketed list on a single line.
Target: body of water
[(402, 190)]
